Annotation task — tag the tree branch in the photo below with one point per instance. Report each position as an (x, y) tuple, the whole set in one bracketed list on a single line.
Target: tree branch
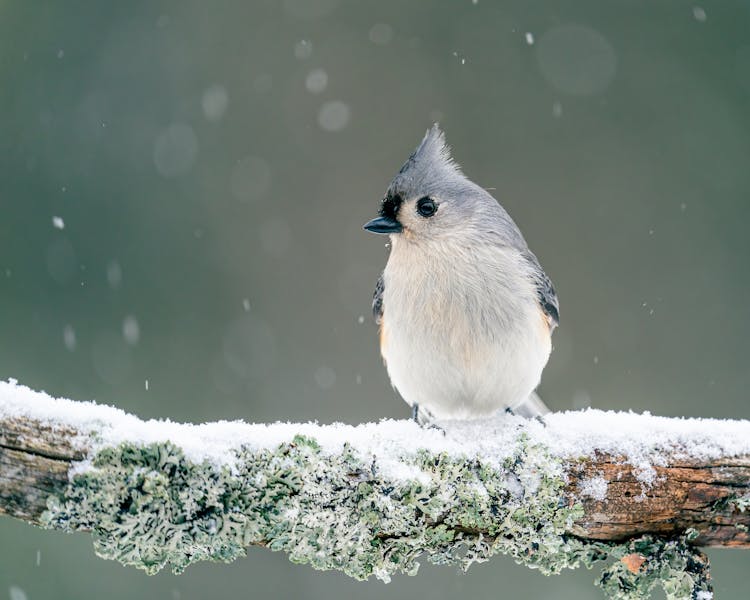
[(369, 500)]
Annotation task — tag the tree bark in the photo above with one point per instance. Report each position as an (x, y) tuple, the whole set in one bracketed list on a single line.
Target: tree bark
[(686, 494), (35, 460), (34, 463)]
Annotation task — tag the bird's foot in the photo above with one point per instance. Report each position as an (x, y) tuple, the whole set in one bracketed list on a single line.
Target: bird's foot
[(539, 418), (424, 419)]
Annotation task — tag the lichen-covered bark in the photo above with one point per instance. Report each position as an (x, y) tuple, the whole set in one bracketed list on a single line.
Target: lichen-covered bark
[(150, 507)]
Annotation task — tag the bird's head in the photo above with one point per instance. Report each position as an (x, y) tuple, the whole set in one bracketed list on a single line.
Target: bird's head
[(430, 198)]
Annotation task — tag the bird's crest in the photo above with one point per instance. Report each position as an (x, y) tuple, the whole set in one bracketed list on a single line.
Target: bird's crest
[(432, 154)]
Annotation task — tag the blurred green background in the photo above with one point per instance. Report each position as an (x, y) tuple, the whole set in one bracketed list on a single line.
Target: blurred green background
[(212, 165)]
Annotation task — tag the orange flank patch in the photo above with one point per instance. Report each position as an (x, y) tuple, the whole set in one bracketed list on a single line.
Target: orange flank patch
[(383, 339), (546, 320), (633, 562), (546, 328)]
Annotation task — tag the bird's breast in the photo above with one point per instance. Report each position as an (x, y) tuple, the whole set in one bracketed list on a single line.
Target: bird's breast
[(485, 291), (462, 332)]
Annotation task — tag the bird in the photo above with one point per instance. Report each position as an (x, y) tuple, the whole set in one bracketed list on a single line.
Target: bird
[(464, 309)]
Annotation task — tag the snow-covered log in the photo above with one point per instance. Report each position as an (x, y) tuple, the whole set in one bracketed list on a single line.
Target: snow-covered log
[(639, 492)]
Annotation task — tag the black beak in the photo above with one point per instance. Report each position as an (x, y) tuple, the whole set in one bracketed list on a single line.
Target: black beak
[(384, 225)]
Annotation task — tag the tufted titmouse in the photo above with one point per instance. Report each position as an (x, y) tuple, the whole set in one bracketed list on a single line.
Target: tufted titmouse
[(464, 308)]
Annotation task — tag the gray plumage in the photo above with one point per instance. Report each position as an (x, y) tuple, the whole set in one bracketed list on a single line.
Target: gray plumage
[(546, 291), (464, 307), (377, 300)]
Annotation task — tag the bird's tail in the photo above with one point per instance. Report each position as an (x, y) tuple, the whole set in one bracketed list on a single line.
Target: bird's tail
[(531, 408)]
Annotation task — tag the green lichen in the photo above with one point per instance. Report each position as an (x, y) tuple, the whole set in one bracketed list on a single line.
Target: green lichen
[(679, 569), (149, 507), (740, 503)]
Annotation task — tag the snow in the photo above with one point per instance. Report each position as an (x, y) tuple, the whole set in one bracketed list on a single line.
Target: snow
[(69, 337), (334, 115), (131, 331), (594, 487), (642, 440), (114, 274), (316, 81), (303, 49), (381, 34), (215, 101)]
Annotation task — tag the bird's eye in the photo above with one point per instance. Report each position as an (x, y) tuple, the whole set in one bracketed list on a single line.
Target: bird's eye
[(426, 207)]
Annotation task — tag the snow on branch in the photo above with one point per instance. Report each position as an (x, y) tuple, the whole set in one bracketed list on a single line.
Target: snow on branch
[(638, 492)]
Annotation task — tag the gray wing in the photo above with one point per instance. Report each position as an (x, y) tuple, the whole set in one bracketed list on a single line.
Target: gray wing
[(546, 294), (377, 300)]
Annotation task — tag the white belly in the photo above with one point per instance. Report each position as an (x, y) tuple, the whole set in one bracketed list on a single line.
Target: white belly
[(462, 350)]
